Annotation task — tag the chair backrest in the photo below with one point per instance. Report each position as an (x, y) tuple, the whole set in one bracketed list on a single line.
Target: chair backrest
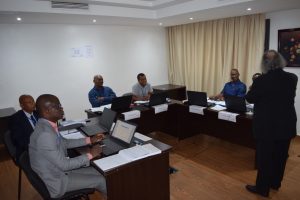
[(11, 148), (33, 177), (128, 94)]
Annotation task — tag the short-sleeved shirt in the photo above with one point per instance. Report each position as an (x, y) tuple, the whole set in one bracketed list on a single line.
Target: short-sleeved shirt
[(141, 91), (236, 88), (105, 92)]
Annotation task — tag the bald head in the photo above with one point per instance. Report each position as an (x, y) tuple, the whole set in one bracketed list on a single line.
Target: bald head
[(234, 74), (48, 107), (98, 81)]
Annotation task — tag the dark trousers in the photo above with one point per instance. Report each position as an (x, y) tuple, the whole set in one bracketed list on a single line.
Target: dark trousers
[(271, 161)]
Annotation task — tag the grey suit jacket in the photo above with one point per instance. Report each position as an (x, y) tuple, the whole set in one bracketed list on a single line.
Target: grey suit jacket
[(48, 157)]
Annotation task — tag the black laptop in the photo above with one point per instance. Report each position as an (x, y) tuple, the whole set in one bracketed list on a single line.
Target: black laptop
[(104, 124), (119, 139), (121, 104), (198, 99), (157, 99), (235, 104)]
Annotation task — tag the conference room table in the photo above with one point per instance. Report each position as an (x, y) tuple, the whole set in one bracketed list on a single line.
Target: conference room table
[(146, 178), (180, 123)]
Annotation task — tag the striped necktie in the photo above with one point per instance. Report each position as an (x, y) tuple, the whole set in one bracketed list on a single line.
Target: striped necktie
[(33, 120)]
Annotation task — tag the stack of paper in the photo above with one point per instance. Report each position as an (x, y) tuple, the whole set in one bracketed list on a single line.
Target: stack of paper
[(71, 134), (127, 155), (101, 108)]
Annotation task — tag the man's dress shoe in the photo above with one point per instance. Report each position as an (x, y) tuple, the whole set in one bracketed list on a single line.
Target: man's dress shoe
[(253, 189)]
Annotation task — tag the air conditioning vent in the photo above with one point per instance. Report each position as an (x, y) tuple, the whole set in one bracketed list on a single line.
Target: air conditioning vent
[(69, 5)]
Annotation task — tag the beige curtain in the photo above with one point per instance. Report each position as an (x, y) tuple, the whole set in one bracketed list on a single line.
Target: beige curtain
[(202, 54)]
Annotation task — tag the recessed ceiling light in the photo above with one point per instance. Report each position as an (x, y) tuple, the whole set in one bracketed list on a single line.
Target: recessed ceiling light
[(249, 9), (160, 24), (94, 20), (191, 18), (19, 19)]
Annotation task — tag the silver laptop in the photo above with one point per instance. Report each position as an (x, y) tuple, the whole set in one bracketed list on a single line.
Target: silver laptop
[(103, 126), (119, 139)]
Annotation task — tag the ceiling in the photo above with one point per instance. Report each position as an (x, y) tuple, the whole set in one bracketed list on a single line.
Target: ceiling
[(134, 12)]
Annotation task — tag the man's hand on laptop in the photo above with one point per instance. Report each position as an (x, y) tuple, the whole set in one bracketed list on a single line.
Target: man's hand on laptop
[(97, 138)]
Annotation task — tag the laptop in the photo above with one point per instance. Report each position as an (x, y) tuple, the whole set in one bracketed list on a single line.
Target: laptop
[(198, 99), (119, 139), (103, 126), (235, 104), (121, 104), (157, 99)]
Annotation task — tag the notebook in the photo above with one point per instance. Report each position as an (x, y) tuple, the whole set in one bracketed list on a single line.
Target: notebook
[(235, 104), (198, 99), (103, 126), (119, 139), (121, 104)]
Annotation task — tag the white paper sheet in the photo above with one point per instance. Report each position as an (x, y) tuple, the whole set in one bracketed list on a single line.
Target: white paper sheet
[(142, 137), (132, 114), (218, 108), (72, 135), (127, 155), (228, 116), (196, 109), (101, 108)]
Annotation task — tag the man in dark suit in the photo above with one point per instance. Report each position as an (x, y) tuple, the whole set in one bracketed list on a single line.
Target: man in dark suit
[(22, 124), (274, 121)]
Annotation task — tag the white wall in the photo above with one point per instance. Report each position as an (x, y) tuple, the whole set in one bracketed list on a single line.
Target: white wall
[(286, 20), (36, 59)]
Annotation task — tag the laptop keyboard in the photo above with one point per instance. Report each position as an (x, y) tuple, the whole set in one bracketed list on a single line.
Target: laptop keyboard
[(112, 145)]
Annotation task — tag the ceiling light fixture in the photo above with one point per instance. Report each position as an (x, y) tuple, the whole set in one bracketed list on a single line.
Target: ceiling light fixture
[(249, 9), (191, 18), (160, 24), (94, 20), (19, 19)]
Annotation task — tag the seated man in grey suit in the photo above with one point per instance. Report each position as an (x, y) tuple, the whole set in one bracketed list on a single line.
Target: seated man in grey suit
[(47, 152)]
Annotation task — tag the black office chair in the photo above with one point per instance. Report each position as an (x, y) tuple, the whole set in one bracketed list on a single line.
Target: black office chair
[(11, 148), (40, 186), (127, 94)]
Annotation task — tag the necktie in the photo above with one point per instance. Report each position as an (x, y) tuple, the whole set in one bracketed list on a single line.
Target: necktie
[(33, 120)]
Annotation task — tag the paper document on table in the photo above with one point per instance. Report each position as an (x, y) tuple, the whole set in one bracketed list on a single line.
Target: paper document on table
[(126, 155), (101, 108), (111, 162), (72, 122), (132, 114), (139, 152), (228, 116), (72, 135), (196, 109), (160, 108), (218, 108), (141, 102), (142, 137)]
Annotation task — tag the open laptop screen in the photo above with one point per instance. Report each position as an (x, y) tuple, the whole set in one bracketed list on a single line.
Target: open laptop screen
[(107, 118), (123, 131), (197, 98), (235, 104), (120, 104)]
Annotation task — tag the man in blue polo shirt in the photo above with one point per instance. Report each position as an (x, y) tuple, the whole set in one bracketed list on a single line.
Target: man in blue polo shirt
[(100, 95), (233, 88)]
